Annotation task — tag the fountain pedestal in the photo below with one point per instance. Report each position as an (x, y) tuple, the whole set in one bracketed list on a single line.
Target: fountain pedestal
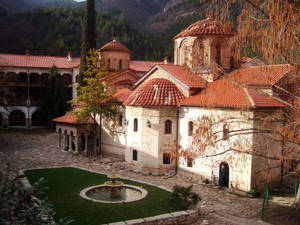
[(114, 186)]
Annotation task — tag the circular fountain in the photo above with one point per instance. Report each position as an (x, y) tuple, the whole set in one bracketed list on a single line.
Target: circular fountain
[(113, 191)]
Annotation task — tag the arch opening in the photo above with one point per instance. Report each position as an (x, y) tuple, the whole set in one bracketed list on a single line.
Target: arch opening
[(224, 174), (17, 118)]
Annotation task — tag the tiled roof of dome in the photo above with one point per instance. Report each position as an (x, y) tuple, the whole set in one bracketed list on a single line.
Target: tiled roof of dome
[(205, 27), (155, 92), (114, 46)]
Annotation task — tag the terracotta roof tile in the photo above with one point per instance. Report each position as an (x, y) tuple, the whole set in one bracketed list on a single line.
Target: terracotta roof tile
[(115, 47), (224, 93), (38, 61), (155, 92), (184, 75), (70, 118), (122, 94), (119, 74), (260, 75), (143, 66), (205, 27)]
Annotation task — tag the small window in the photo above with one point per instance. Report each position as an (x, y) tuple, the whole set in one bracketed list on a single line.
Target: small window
[(190, 128), (134, 155), (120, 64), (218, 53), (135, 125), (168, 127), (190, 162), (108, 64), (120, 120), (166, 158), (225, 132)]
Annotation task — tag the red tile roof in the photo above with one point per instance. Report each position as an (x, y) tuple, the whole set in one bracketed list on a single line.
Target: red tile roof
[(114, 46), (184, 75), (155, 92), (206, 27), (122, 94), (71, 118), (143, 66), (260, 75), (224, 93), (119, 74), (38, 61)]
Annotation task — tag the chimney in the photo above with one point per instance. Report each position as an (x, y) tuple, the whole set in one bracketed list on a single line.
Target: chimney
[(166, 60), (69, 56), (27, 52)]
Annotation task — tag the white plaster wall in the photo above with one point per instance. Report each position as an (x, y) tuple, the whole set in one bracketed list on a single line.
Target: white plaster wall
[(149, 141), (208, 167), (113, 136)]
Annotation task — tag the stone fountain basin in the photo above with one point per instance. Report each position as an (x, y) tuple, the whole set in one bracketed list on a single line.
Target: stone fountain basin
[(142, 193)]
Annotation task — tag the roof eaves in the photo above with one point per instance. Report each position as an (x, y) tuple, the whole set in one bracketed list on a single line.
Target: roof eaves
[(138, 82)]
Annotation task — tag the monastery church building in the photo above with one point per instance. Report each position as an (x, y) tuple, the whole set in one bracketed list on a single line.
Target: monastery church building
[(160, 103)]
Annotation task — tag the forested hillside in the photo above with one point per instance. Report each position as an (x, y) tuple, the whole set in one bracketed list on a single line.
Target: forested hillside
[(145, 26), (56, 31), (25, 5)]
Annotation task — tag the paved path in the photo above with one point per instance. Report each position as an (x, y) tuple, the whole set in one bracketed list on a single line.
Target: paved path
[(38, 148)]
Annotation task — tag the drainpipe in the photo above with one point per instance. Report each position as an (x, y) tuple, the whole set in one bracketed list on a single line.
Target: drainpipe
[(176, 147)]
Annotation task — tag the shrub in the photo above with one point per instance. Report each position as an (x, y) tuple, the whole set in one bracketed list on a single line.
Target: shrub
[(18, 204), (183, 197)]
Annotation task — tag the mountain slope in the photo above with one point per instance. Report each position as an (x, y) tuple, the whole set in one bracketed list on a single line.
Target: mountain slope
[(25, 5)]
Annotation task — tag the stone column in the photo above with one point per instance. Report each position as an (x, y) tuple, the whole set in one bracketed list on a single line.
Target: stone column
[(86, 143), (70, 142), (59, 140), (76, 145), (5, 122), (28, 123)]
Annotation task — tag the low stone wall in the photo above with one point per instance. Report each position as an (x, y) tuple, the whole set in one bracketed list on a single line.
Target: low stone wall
[(174, 218)]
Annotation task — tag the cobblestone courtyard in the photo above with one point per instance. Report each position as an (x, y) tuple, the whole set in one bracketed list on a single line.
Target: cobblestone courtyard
[(38, 148)]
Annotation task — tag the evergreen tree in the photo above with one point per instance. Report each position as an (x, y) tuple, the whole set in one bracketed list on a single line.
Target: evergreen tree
[(88, 36), (93, 96), (53, 102)]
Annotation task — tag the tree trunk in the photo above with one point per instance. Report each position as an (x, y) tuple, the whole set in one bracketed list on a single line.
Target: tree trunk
[(100, 136)]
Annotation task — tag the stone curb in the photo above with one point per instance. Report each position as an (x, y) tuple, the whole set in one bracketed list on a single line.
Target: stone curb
[(180, 217)]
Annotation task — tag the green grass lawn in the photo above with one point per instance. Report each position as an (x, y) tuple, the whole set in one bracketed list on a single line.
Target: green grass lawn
[(64, 185)]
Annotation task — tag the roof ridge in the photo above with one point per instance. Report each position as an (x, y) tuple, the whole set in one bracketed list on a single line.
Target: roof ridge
[(249, 97)]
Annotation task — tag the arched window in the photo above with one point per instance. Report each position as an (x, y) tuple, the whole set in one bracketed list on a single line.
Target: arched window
[(134, 155), (225, 132), (120, 120), (108, 64), (166, 158), (168, 127), (190, 128), (218, 54), (120, 64), (135, 125)]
